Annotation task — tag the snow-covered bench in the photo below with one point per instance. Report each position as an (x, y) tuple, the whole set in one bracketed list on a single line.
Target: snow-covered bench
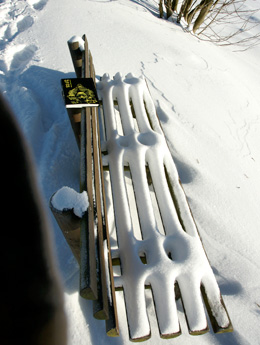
[(138, 216)]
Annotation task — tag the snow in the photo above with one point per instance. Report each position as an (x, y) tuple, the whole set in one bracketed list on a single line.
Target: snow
[(78, 39), (136, 147), (207, 99), (67, 198)]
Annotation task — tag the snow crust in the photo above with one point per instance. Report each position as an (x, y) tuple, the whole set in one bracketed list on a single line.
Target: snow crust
[(67, 198)]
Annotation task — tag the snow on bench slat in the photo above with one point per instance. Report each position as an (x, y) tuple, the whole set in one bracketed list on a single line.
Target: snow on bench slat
[(177, 255), (67, 198)]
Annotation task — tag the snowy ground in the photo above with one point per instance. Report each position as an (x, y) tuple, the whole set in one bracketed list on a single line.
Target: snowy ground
[(207, 99)]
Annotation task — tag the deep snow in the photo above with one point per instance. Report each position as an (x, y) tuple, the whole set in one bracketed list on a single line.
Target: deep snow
[(207, 99)]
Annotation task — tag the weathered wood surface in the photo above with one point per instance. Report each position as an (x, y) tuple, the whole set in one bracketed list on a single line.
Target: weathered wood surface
[(69, 223), (75, 114), (97, 246), (90, 242)]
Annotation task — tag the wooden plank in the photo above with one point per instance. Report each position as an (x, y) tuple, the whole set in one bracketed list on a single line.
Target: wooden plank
[(112, 324), (86, 61), (92, 68), (105, 305), (75, 114), (89, 258), (84, 68), (69, 224), (101, 305), (88, 280), (76, 56), (88, 264), (217, 328)]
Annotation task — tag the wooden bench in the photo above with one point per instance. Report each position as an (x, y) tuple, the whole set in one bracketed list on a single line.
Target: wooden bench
[(138, 216)]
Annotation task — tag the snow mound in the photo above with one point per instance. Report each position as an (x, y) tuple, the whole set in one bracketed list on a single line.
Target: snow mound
[(67, 198)]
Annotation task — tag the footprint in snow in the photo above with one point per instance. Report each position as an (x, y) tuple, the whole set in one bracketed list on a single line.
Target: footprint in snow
[(14, 28), (25, 23), (21, 57), (38, 5), (16, 17)]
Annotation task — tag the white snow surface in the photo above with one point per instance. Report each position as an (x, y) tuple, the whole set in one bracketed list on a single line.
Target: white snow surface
[(207, 100)]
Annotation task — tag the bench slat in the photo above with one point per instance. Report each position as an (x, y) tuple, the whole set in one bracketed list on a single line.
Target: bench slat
[(100, 308), (112, 325), (88, 279)]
